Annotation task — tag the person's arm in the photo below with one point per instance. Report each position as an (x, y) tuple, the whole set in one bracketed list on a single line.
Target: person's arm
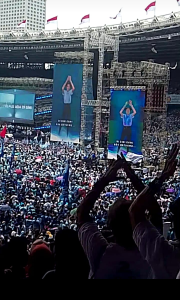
[(163, 257), (70, 80), (88, 203), (133, 109), (91, 239), (65, 84), (144, 199), (121, 111), (136, 181), (155, 210)]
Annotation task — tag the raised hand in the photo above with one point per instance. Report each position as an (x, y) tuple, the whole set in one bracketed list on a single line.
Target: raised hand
[(111, 173), (171, 163), (130, 102), (136, 181)]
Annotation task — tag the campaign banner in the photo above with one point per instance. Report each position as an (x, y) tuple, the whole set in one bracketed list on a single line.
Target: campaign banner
[(126, 122), (17, 106), (66, 108)]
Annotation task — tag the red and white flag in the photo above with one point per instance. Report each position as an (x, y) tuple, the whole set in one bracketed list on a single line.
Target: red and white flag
[(22, 24), (85, 19), (3, 132), (178, 1), (151, 7), (119, 15), (52, 20)]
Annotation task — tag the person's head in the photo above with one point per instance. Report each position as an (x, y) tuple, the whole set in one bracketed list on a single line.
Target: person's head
[(40, 261), (70, 257), (128, 111), (120, 224), (68, 86), (17, 250)]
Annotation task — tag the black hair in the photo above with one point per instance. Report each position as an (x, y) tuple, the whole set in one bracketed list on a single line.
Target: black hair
[(175, 210), (120, 224), (69, 84), (70, 257)]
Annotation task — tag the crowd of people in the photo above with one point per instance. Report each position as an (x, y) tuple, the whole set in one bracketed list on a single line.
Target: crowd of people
[(67, 212)]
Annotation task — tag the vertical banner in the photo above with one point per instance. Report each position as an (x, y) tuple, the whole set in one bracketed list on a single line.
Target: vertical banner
[(126, 122), (66, 110)]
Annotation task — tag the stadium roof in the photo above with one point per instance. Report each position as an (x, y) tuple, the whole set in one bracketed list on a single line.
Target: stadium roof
[(156, 38)]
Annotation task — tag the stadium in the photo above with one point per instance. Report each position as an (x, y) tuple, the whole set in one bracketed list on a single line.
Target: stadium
[(31, 57), (89, 152)]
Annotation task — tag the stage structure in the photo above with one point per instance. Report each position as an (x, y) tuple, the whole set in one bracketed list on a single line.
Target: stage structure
[(40, 86), (156, 79), (146, 73), (102, 42)]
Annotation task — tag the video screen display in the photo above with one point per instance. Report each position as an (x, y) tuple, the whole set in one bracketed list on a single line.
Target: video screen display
[(17, 106), (126, 121), (66, 109)]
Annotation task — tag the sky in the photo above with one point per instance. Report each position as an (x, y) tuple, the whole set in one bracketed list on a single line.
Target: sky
[(70, 12)]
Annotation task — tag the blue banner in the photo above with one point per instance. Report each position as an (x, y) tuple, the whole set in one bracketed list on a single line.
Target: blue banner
[(17, 106), (126, 121), (66, 110)]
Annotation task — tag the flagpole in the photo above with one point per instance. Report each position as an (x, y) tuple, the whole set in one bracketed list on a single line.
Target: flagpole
[(57, 23), (155, 10)]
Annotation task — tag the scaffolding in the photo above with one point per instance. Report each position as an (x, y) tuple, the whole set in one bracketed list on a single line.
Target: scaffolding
[(144, 73), (102, 42), (40, 86), (136, 27)]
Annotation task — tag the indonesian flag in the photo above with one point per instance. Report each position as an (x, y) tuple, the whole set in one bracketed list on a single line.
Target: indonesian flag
[(3, 132), (178, 1), (117, 16), (85, 19), (150, 7), (52, 20), (22, 24)]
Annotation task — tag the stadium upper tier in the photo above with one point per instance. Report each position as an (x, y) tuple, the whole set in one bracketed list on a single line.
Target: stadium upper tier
[(156, 38)]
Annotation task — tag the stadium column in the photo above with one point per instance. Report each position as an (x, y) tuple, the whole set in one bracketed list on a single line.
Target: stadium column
[(84, 90), (99, 89)]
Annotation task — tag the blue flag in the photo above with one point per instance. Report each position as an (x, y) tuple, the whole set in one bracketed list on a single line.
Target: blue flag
[(65, 191), (12, 154), (1, 147)]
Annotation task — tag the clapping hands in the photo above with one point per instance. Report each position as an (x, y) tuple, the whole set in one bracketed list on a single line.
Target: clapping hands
[(111, 173)]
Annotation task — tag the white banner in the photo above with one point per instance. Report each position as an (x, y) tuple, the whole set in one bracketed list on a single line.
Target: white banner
[(173, 99)]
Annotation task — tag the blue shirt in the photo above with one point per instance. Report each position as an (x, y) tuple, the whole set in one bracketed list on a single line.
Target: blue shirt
[(67, 96), (127, 119)]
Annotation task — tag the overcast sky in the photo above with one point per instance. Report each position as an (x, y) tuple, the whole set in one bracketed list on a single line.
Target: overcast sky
[(70, 12)]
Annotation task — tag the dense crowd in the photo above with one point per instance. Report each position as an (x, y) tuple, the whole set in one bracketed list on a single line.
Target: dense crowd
[(65, 212)]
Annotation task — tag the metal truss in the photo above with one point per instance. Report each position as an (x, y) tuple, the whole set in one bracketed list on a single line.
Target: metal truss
[(38, 85), (86, 57), (144, 73), (99, 90), (76, 54)]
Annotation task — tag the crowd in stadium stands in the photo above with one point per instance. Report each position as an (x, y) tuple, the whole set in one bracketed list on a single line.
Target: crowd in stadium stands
[(67, 213)]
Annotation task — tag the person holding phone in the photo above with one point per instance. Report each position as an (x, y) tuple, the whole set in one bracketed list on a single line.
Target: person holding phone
[(127, 120)]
